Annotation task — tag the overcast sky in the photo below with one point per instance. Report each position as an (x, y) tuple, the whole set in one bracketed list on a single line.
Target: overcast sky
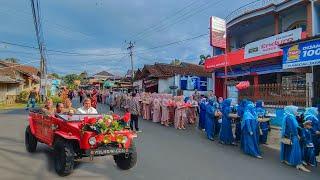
[(98, 29)]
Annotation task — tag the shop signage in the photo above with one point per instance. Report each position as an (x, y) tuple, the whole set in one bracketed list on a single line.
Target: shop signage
[(217, 32), (301, 55), (193, 83), (271, 44)]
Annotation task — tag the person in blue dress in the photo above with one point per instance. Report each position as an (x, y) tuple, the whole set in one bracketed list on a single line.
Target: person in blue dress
[(308, 149), (202, 117), (290, 150), (250, 132), (240, 112), (210, 118), (226, 135), (218, 120), (311, 114), (264, 125)]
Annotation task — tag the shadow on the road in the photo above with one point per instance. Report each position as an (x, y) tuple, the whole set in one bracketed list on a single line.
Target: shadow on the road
[(14, 112)]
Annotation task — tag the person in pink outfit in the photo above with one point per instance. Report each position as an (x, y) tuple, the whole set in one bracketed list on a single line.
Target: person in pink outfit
[(146, 107), (171, 107), (180, 113), (156, 109), (164, 112), (192, 111)]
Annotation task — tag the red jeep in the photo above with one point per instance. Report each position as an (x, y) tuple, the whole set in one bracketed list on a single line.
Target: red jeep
[(75, 136)]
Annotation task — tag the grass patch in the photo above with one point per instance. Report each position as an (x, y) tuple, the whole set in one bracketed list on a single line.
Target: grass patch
[(12, 106)]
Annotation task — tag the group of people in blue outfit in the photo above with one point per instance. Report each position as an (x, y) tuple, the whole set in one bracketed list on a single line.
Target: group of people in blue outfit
[(300, 143)]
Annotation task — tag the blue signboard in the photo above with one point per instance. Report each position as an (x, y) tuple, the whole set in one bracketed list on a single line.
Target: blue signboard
[(301, 55), (193, 82)]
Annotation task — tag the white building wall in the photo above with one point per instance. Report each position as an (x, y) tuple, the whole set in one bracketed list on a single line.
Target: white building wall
[(164, 84)]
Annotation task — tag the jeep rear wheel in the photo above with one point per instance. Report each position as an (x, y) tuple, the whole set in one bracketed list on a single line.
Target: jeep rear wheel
[(63, 157), (30, 140), (126, 161)]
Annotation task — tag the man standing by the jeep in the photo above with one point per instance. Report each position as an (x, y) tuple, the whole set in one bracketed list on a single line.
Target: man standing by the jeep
[(134, 108)]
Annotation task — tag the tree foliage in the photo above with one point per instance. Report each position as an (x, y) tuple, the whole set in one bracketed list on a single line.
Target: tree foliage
[(12, 60), (203, 58), (69, 80)]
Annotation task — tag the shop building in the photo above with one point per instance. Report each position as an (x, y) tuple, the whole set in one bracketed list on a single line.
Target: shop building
[(183, 78), (254, 34)]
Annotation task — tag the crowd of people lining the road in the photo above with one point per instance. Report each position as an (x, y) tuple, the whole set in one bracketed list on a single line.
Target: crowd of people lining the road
[(300, 134)]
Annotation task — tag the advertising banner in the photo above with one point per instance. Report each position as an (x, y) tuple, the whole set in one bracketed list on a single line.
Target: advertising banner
[(217, 32), (271, 44), (301, 55), (193, 82)]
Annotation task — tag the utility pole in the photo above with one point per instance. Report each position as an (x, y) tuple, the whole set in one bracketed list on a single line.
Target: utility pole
[(130, 48), (35, 7)]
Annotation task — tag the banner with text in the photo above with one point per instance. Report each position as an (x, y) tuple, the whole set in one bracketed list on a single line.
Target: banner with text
[(271, 44), (217, 32), (301, 55)]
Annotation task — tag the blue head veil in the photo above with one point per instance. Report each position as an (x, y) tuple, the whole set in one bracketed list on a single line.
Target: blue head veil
[(226, 109), (241, 107), (289, 112), (311, 112), (211, 101), (259, 108), (249, 113)]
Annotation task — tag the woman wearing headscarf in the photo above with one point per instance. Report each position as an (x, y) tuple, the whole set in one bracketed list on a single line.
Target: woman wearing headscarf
[(264, 123), (210, 118), (164, 111), (311, 114), (226, 136), (192, 111), (250, 132), (240, 111), (202, 117), (219, 119), (179, 113), (290, 150), (156, 108)]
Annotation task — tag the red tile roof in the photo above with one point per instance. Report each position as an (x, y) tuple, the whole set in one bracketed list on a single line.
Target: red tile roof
[(29, 70), (161, 70)]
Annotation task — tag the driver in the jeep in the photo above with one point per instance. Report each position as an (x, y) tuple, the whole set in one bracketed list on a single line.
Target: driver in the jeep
[(87, 108)]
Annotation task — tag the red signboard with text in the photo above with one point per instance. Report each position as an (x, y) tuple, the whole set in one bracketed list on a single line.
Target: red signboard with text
[(217, 32)]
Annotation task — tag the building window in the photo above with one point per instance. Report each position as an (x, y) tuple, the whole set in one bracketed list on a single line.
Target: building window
[(298, 24)]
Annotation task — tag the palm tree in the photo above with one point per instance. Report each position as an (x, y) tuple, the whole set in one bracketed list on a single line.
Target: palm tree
[(203, 58)]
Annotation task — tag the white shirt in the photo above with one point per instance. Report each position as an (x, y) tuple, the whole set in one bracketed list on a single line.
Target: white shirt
[(83, 110)]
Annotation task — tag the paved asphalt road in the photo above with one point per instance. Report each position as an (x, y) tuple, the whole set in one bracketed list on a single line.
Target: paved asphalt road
[(164, 154)]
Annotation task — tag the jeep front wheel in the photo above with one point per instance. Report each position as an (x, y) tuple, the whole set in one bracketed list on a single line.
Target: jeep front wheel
[(30, 140), (126, 161), (63, 157)]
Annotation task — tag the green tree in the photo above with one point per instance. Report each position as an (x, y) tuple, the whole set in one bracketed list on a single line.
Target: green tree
[(55, 75), (176, 62), (203, 59), (69, 80), (12, 60)]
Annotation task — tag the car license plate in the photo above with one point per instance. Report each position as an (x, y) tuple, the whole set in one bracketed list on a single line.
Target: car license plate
[(101, 152)]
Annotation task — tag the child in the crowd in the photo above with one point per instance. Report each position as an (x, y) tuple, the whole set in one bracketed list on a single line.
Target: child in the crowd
[(126, 117), (308, 149)]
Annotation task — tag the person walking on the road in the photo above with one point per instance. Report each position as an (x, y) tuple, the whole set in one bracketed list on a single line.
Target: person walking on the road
[(250, 132), (111, 101), (311, 114), (81, 94), (202, 116), (226, 135), (210, 118), (32, 98), (290, 150), (134, 108), (308, 149), (264, 125)]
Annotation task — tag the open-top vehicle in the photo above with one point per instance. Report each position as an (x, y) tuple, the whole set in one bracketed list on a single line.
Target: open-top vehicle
[(76, 136)]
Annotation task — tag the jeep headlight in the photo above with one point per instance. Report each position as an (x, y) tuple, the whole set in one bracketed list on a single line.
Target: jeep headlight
[(124, 139), (92, 141)]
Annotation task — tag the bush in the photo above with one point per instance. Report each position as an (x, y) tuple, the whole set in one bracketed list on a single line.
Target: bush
[(56, 99), (23, 97)]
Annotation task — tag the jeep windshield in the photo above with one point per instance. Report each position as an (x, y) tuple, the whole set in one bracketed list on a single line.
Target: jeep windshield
[(78, 117)]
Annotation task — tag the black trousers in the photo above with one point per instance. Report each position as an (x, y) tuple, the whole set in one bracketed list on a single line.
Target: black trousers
[(111, 108), (81, 98), (134, 119)]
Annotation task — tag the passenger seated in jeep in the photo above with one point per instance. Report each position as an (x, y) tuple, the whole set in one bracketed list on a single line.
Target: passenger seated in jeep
[(68, 109), (86, 108), (48, 109), (59, 108)]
